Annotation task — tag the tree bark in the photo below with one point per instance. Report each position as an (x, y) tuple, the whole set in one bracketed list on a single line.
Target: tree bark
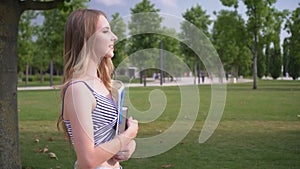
[(9, 133), (51, 73), (236, 71), (195, 73), (10, 11), (255, 61), (26, 73), (38, 5)]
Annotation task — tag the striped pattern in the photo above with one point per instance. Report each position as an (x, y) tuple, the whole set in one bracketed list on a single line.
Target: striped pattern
[(104, 118)]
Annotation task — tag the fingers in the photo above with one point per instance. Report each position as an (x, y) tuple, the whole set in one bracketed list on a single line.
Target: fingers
[(126, 153), (130, 119), (132, 122), (122, 156), (132, 130), (123, 153)]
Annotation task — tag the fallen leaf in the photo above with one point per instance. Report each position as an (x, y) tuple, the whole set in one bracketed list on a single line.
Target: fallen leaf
[(40, 150), (50, 139), (52, 155), (46, 149), (167, 165)]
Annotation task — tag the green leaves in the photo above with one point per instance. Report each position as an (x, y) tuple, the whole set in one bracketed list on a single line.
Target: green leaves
[(230, 3), (198, 17), (26, 39), (51, 34), (195, 16), (230, 38), (118, 27), (141, 28), (292, 45)]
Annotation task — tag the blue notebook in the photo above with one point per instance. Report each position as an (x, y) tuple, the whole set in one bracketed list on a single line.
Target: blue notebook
[(118, 91)]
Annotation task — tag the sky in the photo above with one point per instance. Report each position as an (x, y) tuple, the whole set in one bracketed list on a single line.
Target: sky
[(178, 7)]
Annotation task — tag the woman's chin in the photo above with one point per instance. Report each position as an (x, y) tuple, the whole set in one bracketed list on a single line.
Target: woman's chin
[(110, 55)]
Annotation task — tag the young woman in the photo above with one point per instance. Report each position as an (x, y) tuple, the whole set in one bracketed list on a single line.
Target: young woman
[(89, 113)]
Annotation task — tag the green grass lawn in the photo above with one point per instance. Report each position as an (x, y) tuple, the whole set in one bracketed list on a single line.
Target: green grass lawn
[(34, 80), (259, 129)]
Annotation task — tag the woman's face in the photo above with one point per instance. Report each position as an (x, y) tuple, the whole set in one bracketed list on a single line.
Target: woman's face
[(105, 39)]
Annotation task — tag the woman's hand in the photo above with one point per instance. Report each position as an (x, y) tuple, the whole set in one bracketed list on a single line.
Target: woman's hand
[(132, 129), (130, 133), (127, 136), (125, 154)]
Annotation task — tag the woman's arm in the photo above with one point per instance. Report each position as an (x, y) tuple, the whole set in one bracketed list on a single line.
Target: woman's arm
[(126, 153), (79, 103)]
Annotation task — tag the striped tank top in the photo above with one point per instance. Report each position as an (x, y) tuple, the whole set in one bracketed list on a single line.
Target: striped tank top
[(104, 117)]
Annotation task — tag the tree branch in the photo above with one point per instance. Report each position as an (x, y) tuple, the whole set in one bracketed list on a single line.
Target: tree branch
[(251, 49), (39, 5)]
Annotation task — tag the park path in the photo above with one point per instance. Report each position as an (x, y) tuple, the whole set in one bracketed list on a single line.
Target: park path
[(181, 81)]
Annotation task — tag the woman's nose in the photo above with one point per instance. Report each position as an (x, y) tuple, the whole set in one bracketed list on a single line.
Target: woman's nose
[(114, 37)]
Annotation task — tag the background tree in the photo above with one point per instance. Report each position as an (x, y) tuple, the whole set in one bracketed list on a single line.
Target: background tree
[(230, 39), (286, 54), (40, 60), (25, 42), (257, 11), (149, 21), (198, 17), (171, 52), (271, 41), (118, 27), (275, 63), (292, 44), (263, 55), (10, 12), (51, 37)]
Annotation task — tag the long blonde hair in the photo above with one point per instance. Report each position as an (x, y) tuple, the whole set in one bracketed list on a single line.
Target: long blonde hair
[(80, 27)]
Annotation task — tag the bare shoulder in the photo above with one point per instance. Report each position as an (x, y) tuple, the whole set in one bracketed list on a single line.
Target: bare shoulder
[(78, 90), (77, 97), (75, 88)]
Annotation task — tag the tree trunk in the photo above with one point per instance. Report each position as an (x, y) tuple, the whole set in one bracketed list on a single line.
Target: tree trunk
[(236, 71), (10, 11), (198, 71), (41, 76), (9, 133), (51, 73), (141, 76), (195, 73), (26, 74), (145, 78), (255, 61)]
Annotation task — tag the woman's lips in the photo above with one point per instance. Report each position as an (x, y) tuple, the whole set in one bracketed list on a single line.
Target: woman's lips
[(111, 47)]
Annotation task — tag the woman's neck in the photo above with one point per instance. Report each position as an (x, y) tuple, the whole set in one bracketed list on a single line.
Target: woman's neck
[(92, 70)]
